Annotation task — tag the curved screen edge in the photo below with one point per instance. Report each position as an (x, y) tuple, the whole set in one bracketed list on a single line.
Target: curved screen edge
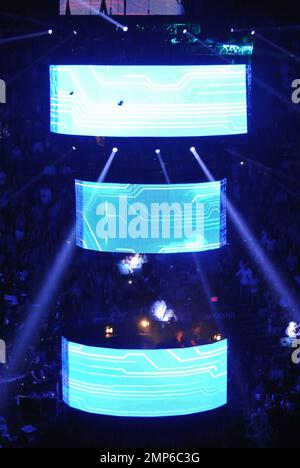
[(149, 101), (144, 383), (164, 219)]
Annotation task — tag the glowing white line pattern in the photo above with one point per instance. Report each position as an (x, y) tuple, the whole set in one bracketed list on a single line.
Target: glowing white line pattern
[(160, 382), (171, 101), (205, 217)]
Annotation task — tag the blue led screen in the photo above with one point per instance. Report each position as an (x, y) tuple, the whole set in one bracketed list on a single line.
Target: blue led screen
[(144, 383), (148, 101), (134, 218)]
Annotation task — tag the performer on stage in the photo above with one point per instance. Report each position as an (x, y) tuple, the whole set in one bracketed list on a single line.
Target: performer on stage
[(292, 330)]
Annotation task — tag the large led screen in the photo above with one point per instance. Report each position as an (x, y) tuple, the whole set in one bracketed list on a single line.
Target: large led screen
[(148, 101), (162, 219), (144, 383), (121, 7)]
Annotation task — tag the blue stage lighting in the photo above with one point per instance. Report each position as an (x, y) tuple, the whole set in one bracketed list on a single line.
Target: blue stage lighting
[(259, 256), (33, 322)]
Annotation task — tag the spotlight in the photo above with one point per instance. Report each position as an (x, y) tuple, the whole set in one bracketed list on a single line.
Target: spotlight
[(50, 31), (217, 337), (158, 310), (292, 330), (157, 151), (75, 33), (135, 261), (144, 323), (253, 33), (74, 148), (109, 330), (242, 163), (185, 31), (125, 28), (192, 149), (232, 30), (115, 150), (130, 282)]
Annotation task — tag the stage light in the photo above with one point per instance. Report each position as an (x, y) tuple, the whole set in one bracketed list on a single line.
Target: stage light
[(135, 261), (54, 277), (271, 274), (130, 282), (185, 31), (144, 323), (276, 46), (109, 330), (217, 337), (131, 264), (192, 149), (242, 163), (158, 311), (292, 331), (75, 33), (157, 151), (50, 31), (232, 30), (74, 148), (252, 33), (109, 19), (115, 150)]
